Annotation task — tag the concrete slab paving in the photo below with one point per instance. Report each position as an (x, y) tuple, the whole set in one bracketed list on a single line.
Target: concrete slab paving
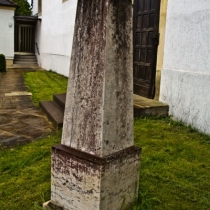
[(20, 121), (20, 93)]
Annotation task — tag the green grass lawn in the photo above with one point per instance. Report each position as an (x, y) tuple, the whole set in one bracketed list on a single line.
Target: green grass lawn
[(175, 166), (25, 175), (43, 84), (175, 163)]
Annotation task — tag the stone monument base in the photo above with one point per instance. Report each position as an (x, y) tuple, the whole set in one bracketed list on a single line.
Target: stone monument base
[(80, 181)]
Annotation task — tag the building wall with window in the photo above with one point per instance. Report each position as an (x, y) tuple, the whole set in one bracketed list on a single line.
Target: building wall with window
[(185, 77), (7, 33), (54, 33)]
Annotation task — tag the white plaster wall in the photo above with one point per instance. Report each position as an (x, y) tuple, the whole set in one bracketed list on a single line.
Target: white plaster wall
[(54, 34), (7, 33), (185, 81), (35, 7)]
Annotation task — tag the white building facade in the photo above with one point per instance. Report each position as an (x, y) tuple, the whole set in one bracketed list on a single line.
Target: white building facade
[(7, 30), (183, 58), (54, 33), (185, 77)]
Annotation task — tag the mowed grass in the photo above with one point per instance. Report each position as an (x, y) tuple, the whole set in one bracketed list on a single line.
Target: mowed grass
[(175, 164), (25, 175), (43, 84)]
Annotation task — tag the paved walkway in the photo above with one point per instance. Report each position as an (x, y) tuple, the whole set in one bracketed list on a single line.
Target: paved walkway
[(20, 121)]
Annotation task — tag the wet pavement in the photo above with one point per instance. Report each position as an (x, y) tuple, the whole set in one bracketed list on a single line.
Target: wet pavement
[(20, 121)]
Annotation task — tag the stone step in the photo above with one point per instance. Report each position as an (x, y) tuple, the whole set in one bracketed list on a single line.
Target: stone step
[(60, 99), (23, 53), (54, 112), (24, 59), (141, 106), (25, 66), (147, 107), (25, 56), (25, 62)]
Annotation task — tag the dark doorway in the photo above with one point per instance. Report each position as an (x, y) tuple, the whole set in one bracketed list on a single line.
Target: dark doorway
[(25, 34), (145, 43), (24, 38)]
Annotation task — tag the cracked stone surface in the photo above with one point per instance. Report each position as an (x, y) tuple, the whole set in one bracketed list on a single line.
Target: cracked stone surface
[(20, 121)]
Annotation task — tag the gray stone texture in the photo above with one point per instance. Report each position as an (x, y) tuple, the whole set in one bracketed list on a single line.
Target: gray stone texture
[(97, 166), (99, 105), (82, 181)]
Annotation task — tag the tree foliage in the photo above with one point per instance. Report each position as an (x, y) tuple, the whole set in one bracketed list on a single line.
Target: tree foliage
[(24, 8)]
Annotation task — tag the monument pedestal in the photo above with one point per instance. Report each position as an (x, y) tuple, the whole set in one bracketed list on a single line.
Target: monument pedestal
[(96, 167), (81, 181)]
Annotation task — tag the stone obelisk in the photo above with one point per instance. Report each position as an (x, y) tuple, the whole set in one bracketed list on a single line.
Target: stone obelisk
[(96, 166)]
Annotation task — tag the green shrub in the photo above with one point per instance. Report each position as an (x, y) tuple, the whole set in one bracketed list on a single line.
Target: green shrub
[(2, 63)]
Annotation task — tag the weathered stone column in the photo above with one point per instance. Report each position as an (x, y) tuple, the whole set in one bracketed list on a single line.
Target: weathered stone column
[(96, 167)]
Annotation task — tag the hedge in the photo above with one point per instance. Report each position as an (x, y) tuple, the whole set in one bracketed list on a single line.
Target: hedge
[(2, 63)]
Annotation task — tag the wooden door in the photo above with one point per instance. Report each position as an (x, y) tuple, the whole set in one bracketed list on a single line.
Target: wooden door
[(145, 38)]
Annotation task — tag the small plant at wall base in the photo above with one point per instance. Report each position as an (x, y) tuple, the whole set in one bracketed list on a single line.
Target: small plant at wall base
[(2, 63)]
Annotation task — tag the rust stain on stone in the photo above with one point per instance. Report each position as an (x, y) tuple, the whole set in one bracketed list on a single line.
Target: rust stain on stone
[(87, 65), (120, 18), (101, 52)]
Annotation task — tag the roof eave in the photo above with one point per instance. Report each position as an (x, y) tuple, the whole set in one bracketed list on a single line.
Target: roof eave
[(27, 18), (6, 5)]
